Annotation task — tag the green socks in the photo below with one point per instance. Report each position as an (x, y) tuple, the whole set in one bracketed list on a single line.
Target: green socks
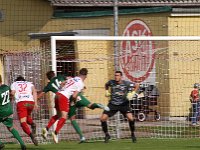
[(77, 128), (17, 136), (95, 105)]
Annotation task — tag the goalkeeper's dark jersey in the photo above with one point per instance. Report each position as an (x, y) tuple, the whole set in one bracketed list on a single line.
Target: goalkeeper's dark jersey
[(5, 106), (54, 84), (119, 91)]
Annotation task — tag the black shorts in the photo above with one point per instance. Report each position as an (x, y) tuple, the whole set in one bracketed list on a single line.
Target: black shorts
[(124, 109)]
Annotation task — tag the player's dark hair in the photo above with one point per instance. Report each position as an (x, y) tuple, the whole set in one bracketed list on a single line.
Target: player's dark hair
[(83, 71), (20, 78), (50, 74), (196, 85), (119, 72)]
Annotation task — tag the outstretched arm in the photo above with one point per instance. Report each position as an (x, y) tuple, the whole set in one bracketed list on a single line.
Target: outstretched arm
[(34, 92), (136, 87), (12, 95), (74, 96), (40, 95), (107, 94), (13, 92)]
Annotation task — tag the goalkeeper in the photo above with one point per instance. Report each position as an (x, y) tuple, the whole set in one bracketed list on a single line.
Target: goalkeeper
[(121, 92), (54, 85)]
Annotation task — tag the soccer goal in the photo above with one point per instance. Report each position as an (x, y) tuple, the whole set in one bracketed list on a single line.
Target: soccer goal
[(166, 67)]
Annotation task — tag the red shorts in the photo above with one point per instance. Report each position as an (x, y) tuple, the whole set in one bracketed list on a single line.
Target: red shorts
[(61, 102), (24, 108)]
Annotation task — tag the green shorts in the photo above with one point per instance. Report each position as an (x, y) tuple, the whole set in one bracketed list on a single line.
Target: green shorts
[(83, 102), (8, 122)]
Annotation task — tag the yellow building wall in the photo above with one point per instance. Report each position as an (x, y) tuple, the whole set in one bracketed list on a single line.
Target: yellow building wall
[(157, 24), (184, 64), (21, 18), (36, 18)]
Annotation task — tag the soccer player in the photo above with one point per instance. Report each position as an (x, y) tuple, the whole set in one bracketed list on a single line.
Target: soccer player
[(6, 112), (70, 88), (121, 92), (25, 96), (54, 86)]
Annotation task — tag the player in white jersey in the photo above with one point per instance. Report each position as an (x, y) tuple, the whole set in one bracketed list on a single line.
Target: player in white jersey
[(70, 88), (25, 96)]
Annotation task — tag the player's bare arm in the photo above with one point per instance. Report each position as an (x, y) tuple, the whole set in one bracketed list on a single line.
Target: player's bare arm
[(62, 84), (75, 95), (40, 94), (34, 92), (136, 87), (13, 92), (11, 96)]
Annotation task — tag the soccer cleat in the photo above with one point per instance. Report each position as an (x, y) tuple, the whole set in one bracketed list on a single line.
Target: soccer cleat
[(23, 147), (82, 140), (55, 137), (133, 139), (195, 124), (106, 108), (34, 140), (107, 138), (33, 127), (2, 146), (44, 133)]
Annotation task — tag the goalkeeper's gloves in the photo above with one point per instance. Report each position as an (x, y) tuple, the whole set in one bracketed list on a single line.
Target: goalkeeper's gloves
[(130, 95), (107, 94)]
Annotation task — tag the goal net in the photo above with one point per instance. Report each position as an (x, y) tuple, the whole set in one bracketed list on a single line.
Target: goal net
[(32, 65), (165, 67)]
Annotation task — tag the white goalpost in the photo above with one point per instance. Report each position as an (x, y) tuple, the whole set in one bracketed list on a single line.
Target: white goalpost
[(168, 63), (119, 38)]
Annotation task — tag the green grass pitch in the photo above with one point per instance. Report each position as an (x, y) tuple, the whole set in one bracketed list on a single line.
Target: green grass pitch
[(142, 144)]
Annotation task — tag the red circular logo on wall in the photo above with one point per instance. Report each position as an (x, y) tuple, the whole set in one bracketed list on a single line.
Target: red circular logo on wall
[(137, 57)]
